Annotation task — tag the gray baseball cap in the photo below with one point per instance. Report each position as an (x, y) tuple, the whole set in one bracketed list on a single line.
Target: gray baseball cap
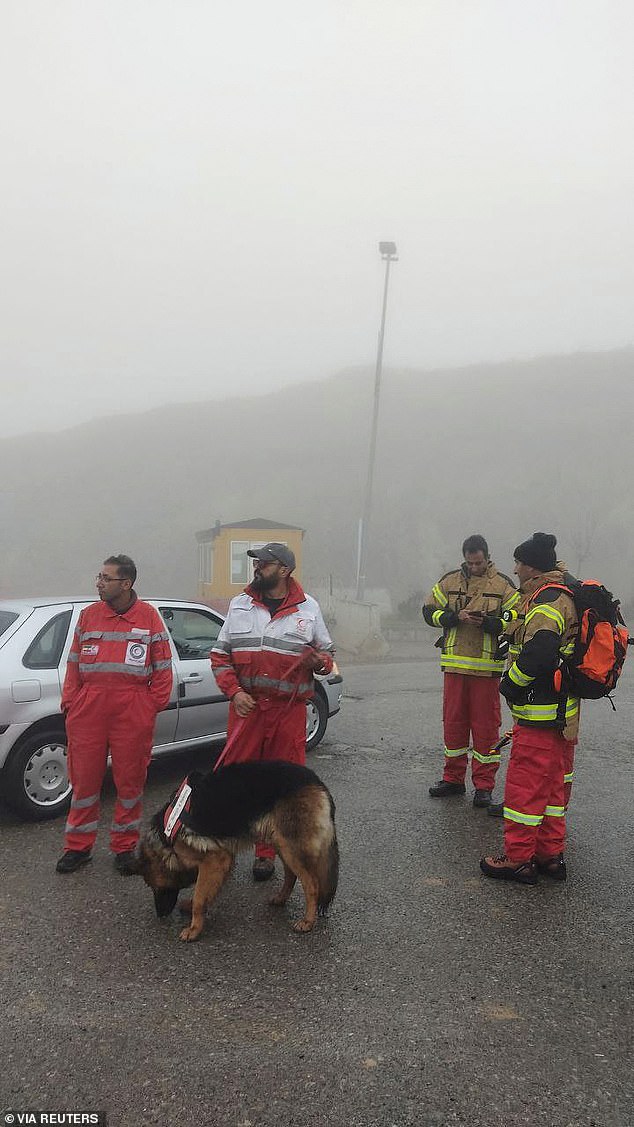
[(274, 551)]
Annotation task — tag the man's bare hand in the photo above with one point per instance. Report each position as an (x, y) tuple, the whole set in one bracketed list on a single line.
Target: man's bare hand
[(243, 703), (313, 659), (466, 616)]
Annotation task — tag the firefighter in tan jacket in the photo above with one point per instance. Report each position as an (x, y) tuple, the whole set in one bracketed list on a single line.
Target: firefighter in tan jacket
[(468, 605)]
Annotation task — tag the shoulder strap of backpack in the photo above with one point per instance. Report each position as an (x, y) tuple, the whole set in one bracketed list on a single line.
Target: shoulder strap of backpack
[(548, 587)]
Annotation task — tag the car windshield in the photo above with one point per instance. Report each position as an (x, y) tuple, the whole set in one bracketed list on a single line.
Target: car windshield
[(6, 618)]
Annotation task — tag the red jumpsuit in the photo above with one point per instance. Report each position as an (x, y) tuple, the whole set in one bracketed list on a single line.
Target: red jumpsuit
[(262, 655), (119, 676)]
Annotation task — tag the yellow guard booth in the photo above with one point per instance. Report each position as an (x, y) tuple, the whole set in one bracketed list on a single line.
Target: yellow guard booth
[(224, 569)]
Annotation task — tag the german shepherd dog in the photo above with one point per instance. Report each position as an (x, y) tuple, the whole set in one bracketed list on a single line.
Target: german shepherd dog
[(279, 803)]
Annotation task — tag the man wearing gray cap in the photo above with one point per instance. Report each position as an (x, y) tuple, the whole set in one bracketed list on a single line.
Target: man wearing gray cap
[(273, 639)]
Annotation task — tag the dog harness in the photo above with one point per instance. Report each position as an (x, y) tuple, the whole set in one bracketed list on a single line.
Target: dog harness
[(172, 820)]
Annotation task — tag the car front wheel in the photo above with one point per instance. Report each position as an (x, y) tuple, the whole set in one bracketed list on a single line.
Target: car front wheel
[(316, 720), (36, 784)]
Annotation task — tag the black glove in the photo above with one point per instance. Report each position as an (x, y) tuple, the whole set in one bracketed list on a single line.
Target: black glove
[(511, 692), (492, 625), (448, 618)]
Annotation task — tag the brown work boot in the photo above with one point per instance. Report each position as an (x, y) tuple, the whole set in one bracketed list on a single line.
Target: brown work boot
[(524, 872), (553, 867)]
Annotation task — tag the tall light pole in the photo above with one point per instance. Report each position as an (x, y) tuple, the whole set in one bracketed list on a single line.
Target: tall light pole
[(388, 255)]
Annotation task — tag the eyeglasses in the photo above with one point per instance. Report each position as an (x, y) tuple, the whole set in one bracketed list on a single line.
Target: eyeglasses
[(101, 578)]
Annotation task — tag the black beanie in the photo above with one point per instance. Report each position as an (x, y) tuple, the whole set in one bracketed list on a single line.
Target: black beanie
[(538, 552)]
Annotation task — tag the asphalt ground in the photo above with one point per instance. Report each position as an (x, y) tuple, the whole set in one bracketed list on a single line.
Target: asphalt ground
[(430, 996)]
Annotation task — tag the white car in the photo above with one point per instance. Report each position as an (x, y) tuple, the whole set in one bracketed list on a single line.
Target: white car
[(35, 638)]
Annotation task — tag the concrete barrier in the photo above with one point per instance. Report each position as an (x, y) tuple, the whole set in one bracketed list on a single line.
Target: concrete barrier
[(356, 627)]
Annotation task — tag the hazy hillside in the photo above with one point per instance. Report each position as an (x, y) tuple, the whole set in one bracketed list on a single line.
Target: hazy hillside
[(502, 449)]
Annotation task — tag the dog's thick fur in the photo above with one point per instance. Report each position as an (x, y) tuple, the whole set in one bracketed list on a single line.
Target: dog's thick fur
[(279, 803)]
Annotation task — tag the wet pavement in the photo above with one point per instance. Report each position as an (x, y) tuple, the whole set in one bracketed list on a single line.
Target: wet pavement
[(429, 996)]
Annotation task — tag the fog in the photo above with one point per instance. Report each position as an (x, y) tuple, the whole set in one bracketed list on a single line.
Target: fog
[(502, 450), (192, 200), (192, 194)]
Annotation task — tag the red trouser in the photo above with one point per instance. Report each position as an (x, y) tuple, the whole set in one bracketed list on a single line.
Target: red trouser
[(121, 722), (471, 706), (569, 769), (534, 801), (274, 730)]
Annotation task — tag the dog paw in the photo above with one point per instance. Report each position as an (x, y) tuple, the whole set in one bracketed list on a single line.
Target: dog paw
[(185, 907), (303, 926), (278, 901), (189, 934)]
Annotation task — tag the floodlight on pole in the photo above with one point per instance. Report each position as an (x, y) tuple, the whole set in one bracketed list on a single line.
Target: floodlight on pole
[(388, 255)]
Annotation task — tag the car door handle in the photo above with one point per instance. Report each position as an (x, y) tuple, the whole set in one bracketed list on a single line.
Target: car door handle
[(194, 679)]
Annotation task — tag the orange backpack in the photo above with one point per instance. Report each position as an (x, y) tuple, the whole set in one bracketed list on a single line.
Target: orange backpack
[(595, 666)]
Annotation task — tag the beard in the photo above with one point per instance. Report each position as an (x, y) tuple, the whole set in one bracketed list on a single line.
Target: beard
[(263, 583)]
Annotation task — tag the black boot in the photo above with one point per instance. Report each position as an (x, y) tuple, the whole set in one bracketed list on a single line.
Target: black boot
[(127, 863), (72, 860), (482, 798), (263, 868), (496, 810), (441, 789)]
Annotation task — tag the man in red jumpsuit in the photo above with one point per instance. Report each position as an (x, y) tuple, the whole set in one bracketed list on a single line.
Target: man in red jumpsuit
[(273, 639), (119, 676)]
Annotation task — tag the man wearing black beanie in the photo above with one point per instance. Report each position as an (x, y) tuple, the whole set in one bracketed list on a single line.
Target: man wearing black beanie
[(538, 553), (546, 720), (468, 604)]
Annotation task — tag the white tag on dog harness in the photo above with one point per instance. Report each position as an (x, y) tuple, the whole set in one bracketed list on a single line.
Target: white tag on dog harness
[(177, 808)]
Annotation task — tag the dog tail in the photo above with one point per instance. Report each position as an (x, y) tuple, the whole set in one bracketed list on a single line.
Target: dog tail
[(328, 864)]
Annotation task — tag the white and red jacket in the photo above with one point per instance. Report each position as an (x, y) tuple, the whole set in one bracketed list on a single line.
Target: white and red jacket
[(262, 655), (113, 650)]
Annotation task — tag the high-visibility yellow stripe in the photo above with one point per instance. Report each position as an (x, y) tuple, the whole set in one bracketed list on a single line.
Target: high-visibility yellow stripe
[(450, 641), (519, 678), (436, 615), (554, 811), (451, 753), (510, 602), (492, 757), (456, 661), (524, 819), (439, 596), (547, 612), (569, 776), (544, 711)]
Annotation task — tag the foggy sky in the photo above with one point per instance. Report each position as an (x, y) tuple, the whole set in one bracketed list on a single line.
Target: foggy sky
[(193, 192)]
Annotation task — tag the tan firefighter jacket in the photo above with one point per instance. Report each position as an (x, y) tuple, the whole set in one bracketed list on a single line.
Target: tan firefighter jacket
[(545, 635), (467, 647)]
